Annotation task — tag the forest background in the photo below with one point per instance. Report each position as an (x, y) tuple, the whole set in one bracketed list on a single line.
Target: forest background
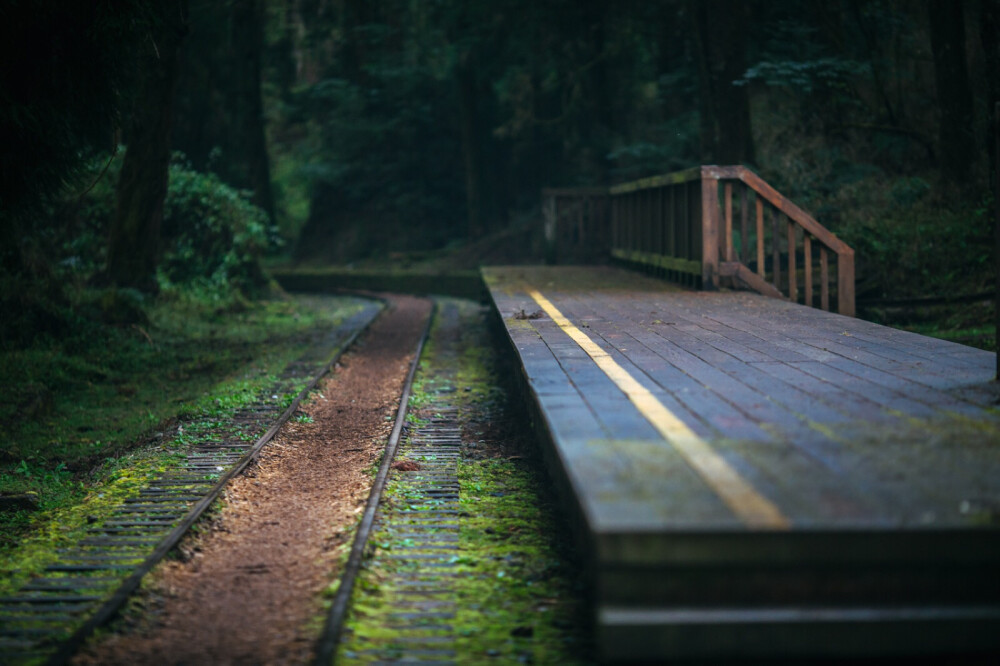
[(365, 130), (156, 156)]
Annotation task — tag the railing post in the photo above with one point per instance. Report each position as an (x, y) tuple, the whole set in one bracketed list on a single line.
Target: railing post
[(709, 232), (549, 216), (845, 282)]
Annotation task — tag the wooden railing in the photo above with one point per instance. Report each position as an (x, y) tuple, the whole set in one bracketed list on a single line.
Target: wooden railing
[(708, 227), (576, 225)]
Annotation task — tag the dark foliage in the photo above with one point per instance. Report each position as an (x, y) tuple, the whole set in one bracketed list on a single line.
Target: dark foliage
[(65, 67)]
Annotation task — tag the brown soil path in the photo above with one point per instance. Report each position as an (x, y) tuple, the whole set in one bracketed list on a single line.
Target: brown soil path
[(249, 590)]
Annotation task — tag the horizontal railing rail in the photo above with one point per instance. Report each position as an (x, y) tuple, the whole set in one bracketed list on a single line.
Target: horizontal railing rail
[(794, 235), (688, 228)]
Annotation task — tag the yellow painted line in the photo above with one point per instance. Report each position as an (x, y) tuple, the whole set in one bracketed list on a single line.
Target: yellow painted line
[(738, 494)]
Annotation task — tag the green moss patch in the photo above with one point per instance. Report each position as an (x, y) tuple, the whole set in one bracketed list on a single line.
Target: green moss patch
[(515, 592), (187, 373)]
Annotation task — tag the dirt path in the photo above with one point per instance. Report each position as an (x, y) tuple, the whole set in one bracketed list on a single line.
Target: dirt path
[(249, 590)]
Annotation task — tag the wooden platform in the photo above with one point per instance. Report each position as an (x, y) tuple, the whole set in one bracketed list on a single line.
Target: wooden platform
[(751, 477)]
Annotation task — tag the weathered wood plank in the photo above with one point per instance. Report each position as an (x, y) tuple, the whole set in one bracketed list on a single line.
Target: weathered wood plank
[(709, 234), (876, 444), (808, 267), (727, 239), (824, 280), (793, 276), (760, 236)]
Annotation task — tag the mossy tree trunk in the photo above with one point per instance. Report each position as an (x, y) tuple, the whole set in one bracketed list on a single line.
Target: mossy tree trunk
[(133, 245)]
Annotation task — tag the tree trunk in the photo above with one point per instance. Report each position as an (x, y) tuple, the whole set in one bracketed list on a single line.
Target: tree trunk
[(733, 110), (954, 95), (698, 12), (719, 32), (247, 105), (133, 245), (989, 26), (472, 153)]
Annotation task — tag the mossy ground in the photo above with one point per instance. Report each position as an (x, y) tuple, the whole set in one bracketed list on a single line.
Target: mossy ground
[(95, 445), (517, 590)]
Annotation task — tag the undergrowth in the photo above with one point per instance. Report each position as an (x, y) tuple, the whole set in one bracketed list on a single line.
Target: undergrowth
[(81, 404)]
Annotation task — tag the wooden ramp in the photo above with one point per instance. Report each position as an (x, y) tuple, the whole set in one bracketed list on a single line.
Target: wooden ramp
[(755, 478)]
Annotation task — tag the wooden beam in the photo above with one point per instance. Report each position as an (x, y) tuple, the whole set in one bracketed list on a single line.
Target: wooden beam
[(802, 218), (808, 267), (744, 231), (676, 178), (549, 215), (824, 279), (845, 282), (742, 273), (727, 240), (709, 234), (775, 248), (793, 278), (760, 235)]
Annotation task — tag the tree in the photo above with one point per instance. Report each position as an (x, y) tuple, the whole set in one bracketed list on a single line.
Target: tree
[(65, 68), (218, 108), (954, 96), (133, 245), (720, 28)]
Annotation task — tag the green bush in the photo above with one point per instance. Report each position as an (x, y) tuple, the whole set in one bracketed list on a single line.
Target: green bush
[(909, 244), (213, 237)]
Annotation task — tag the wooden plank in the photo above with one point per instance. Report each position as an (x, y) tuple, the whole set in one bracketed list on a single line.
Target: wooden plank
[(749, 278), (813, 445), (845, 282), (760, 236), (833, 395), (793, 277), (668, 380), (824, 280), (677, 178), (709, 234), (659, 261), (890, 495), (744, 230), (727, 239), (775, 248), (808, 267), (740, 495), (670, 248)]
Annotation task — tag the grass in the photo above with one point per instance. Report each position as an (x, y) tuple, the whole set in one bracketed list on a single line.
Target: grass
[(82, 407)]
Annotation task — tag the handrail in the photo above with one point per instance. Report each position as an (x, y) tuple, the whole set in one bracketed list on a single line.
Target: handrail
[(802, 218), (681, 225)]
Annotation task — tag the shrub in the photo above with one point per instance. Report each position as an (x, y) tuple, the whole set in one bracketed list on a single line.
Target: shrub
[(213, 237)]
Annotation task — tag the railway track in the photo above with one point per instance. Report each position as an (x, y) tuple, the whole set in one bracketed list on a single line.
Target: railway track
[(461, 563), (51, 616), (422, 532)]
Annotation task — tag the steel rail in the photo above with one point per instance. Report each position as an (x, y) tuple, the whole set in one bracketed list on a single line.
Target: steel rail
[(110, 608), (326, 647)]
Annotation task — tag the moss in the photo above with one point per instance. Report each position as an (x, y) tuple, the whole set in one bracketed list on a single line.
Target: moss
[(64, 526), (515, 591), (72, 503)]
